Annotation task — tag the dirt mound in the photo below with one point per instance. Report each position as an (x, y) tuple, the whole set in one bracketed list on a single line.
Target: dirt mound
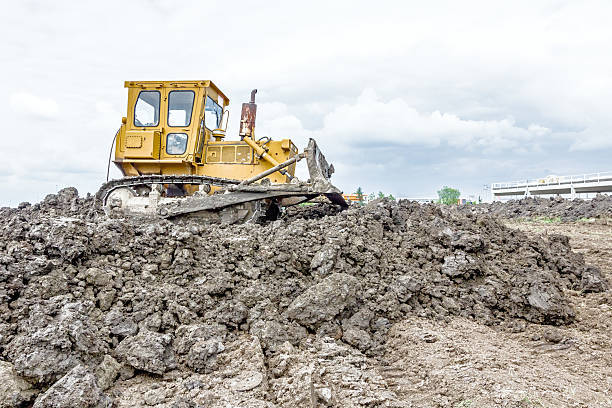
[(289, 313), (566, 210)]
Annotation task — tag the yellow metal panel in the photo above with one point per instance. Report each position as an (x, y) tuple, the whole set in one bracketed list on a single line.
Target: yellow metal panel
[(228, 154), (213, 154), (148, 148), (232, 152), (120, 143), (228, 170), (133, 141), (244, 154)]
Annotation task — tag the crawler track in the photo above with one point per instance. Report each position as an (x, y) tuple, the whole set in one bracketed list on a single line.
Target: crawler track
[(108, 187)]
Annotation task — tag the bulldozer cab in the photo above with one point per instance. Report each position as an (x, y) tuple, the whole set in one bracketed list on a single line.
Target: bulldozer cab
[(179, 128), (170, 120)]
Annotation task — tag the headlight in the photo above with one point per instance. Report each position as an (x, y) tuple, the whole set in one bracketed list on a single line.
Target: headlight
[(176, 143)]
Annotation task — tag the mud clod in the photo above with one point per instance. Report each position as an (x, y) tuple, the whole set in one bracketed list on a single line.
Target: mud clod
[(147, 351), (78, 388), (14, 390), (325, 300)]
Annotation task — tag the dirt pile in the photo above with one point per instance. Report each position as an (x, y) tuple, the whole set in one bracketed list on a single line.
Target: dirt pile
[(566, 210), (292, 313)]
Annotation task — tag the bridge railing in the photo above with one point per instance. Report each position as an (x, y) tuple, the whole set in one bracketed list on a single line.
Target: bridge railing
[(555, 180)]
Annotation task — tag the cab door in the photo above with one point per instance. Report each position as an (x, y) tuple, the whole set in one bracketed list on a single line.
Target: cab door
[(180, 118), (143, 133)]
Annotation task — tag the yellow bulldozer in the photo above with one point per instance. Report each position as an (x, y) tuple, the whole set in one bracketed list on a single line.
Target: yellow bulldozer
[(172, 152)]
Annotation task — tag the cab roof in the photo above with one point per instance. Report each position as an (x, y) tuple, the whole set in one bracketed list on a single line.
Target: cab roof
[(176, 84)]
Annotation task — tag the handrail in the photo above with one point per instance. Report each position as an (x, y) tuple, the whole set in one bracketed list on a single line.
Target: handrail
[(555, 180)]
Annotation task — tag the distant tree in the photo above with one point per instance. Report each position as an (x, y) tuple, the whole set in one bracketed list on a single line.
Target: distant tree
[(360, 196), (381, 195), (391, 197), (371, 197), (448, 195)]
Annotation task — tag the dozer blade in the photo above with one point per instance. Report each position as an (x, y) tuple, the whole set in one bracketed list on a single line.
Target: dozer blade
[(320, 172), (318, 168)]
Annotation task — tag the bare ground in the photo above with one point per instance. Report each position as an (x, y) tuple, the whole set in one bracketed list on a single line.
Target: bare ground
[(463, 363), (387, 305)]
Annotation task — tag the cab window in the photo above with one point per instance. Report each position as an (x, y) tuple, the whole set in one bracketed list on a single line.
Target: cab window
[(146, 110), (176, 143), (212, 114), (180, 105)]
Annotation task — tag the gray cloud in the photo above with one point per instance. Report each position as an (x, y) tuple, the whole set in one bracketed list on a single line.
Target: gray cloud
[(404, 97)]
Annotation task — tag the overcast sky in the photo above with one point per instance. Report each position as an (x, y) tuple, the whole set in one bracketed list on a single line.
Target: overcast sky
[(403, 97)]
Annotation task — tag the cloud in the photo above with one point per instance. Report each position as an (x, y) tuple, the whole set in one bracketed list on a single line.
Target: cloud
[(369, 121), (595, 137), (33, 105), (402, 99)]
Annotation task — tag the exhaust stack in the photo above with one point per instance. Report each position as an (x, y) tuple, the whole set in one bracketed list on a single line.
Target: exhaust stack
[(247, 117)]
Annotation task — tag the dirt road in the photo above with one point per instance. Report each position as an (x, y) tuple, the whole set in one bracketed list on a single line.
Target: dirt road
[(463, 363)]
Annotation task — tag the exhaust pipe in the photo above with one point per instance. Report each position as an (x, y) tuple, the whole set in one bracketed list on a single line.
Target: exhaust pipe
[(247, 117)]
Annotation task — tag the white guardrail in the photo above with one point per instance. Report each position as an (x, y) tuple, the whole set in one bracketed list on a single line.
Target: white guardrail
[(555, 180)]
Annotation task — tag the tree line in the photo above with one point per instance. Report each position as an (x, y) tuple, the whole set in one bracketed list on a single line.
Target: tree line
[(446, 195), (361, 197)]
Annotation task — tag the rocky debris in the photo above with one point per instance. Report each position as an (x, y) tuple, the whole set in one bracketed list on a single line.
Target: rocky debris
[(257, 315), (325, 300), (592, 281), (56, 336), (326, 373), (78, 388), (240, 379), (107, 372), (566, 210), (312, 212), (198, 346), (14, 390), (147, 351)]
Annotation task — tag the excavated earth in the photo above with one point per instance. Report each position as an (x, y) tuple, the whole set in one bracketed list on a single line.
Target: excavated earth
[(556, 207), (391, 304)]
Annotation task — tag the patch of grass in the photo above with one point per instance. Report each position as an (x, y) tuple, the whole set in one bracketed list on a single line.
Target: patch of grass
[(518, 220), (587, 220), (531, 403), (464, 404), (547, 220)]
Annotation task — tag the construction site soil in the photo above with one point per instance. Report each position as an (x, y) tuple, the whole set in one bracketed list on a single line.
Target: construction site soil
[(387, 305), (556, 207)]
